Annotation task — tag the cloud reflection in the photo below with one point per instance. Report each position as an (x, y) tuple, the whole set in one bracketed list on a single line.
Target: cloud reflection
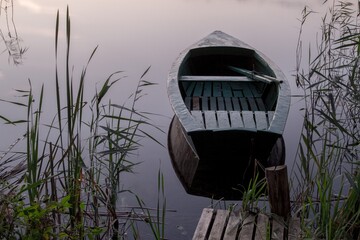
[(34, 7), (30, 5)]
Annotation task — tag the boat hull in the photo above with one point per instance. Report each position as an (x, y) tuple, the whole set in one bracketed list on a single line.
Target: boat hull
[(226, 163)]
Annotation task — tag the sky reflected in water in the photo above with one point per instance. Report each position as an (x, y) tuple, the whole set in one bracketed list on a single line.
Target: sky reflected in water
[(133, 35)]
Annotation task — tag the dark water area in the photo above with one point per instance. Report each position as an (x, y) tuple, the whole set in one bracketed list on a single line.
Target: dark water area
[(132, 36)]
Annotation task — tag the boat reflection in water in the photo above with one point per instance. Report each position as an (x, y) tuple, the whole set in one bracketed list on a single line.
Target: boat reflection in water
[(221, 171)]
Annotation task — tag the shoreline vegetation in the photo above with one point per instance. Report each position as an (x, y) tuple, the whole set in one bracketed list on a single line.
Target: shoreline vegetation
[(326, 176), (67, 182), (10, 38)]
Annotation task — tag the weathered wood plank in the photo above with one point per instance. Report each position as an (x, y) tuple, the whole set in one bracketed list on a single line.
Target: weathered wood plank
[(248, 119), (247, 227), (233, 226), (189, 88), (226, 225), (207, 89), (261, 121), (221, 104), (294, 232), (236, 103), (215, 78), (227, 92), (235, 119), (204, 103), (202, 228), (254, 90), (260, 104), (247, 92), (217, 89), (219, 224), (196, 103), (252, 103), (223, 119), (238, 93), (210, 120), (277, 229), (278, 188), (262, 223), (198, 117), (244, 104), (213, 104), (236, 86), (198, 91), (228, 104)]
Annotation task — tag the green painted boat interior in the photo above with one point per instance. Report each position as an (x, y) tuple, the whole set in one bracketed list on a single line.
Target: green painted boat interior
[(221, 98)]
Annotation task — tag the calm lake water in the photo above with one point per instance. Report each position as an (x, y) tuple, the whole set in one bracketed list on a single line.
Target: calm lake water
[(133, 35)]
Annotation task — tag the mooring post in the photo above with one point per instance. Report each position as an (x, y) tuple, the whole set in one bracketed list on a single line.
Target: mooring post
[(278, 188)]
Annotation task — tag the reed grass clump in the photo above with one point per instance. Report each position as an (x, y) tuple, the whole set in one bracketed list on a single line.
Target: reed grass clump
[(67, 181), (327, 171)]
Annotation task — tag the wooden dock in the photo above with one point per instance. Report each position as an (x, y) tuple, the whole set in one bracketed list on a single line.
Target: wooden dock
[(226, 225)]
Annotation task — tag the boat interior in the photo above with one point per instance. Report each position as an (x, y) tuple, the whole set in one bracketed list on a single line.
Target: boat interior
[(219, 97)]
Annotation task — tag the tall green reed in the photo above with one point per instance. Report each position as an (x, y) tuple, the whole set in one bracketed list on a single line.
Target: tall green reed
[(328, 150), (74, 164)]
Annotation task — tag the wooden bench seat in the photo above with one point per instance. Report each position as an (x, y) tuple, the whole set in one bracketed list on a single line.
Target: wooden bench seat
[(256, 120)]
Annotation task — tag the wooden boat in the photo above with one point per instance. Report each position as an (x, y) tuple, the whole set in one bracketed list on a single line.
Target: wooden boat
[(224, 91)]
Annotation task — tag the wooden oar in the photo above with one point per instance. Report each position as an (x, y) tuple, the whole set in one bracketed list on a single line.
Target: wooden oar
[(256, 76)]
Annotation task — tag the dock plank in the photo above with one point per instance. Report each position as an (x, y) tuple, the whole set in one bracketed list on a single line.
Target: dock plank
[(233, 226), (235, 119), (277, 229), (223, 119), (262, 224), (294, 229), (247, 227), (210, 120), (228, 225), (219, 224), (204, 224)]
